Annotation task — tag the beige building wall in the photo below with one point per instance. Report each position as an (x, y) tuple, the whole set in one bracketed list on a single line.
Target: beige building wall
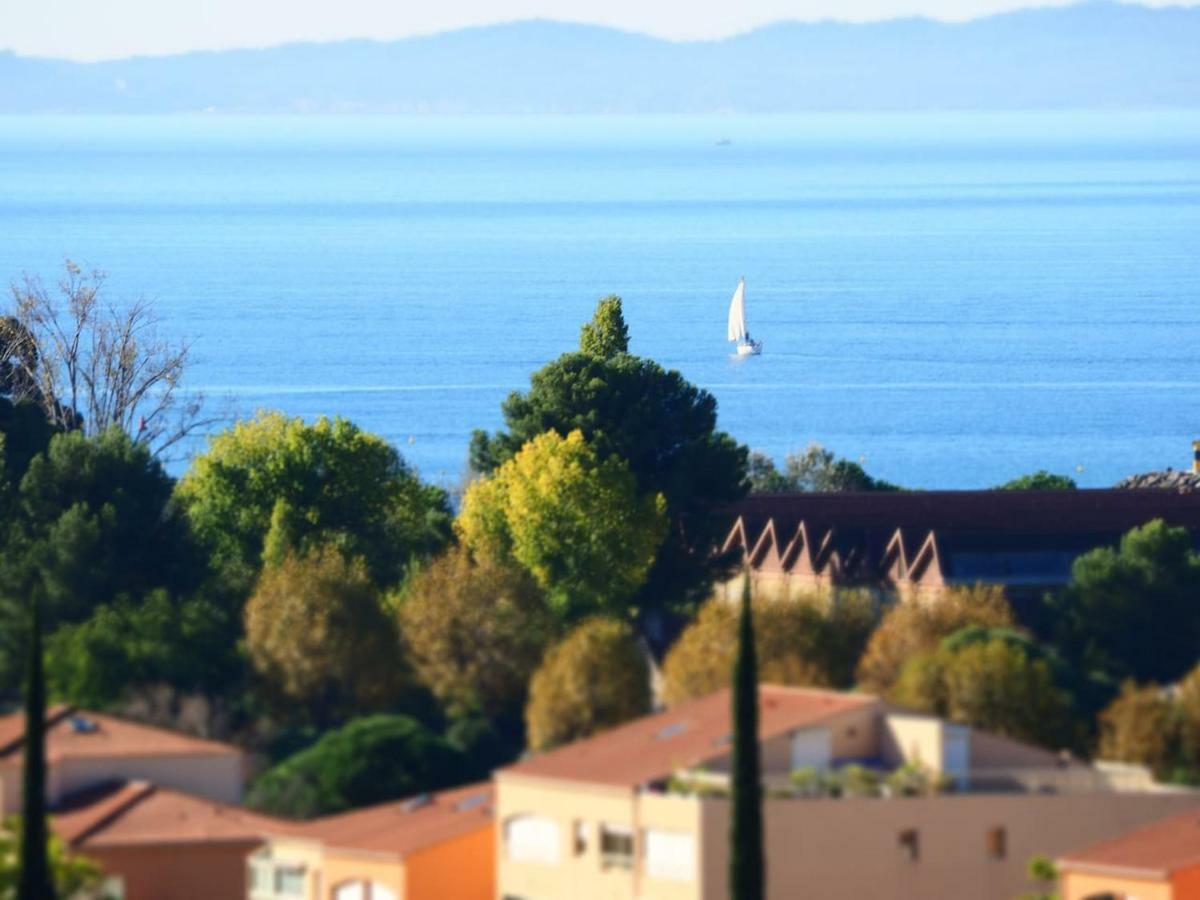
[(218, 777), (852, 848), (297, 852), (341, 867), (1082, 886)]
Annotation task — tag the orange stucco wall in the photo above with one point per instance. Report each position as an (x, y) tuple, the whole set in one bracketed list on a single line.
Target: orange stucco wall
[(464, 868), (193, 872), (1186, 884)]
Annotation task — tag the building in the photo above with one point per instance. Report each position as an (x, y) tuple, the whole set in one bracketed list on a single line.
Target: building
[(155, 843), (425, 848), (1160, 861), (915, 544), (85, 749), (639, 812)]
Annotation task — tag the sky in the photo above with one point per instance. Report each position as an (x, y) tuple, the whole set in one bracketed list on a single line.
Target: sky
[(111, 29)]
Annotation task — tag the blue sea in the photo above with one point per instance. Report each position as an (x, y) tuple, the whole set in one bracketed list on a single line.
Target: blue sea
[(954, 299)]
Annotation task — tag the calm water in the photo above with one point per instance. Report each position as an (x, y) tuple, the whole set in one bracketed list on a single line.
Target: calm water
[(956, 298)]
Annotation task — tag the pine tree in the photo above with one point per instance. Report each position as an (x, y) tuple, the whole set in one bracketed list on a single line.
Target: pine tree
[(35, 880), (747, 866), (606, 335)]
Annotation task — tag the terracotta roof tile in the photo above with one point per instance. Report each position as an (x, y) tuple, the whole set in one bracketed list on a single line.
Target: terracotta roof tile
[(1158, 849), (406, 826), (686, 735), (76, 734), (137, 813)]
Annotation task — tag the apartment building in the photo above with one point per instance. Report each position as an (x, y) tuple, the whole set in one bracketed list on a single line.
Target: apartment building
[(1160, 861), (640, 811), (428, 847)]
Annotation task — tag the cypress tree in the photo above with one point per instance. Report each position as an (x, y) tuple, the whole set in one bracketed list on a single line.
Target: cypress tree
[(747, 865), (35, 881)]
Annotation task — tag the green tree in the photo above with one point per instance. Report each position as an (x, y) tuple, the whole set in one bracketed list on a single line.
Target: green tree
[(72, 875), (318, 634), (816, 470), (606, 335), (35, 879), (802, 641), (666, 430), (996, 681), (370, 760), (1140, 726), (1042, 871), (910, 628), (594, 679), (341, 486), (1133, 611), (747, 860), (475, 632), (574, 520), (1041, 480)]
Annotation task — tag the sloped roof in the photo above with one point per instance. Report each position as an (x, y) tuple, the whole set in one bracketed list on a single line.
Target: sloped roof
[(136, 813), (407, 826), (686, 735), (76, 734), (1156, 850)]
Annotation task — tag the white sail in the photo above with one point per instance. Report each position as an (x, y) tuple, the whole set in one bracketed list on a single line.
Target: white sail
[(737, 313)]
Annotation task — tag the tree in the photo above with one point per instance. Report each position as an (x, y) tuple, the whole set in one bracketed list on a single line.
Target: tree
[(816, 470), (1140, 726), (94, 366), (36, 882), (73, 876), (803, 641), (1041, 480), (606, 335), (1132, 611), (1042, 871), (370, 760), (666, 430), (992, 680), (909, 628), (316, 631), (327, 483), (574, 520), (597, 677), (747, 862), (475, 633)]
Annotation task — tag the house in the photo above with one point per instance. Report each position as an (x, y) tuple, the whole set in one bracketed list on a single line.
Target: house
[(424, 848), (84, 749), (641, 810), (156, 843), (915, 544), (1160, 861)]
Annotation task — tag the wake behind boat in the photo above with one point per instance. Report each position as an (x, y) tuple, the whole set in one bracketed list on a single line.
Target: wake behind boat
[(738, 332)]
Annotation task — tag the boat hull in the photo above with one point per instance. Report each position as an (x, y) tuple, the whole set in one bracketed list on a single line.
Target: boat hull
[(749, 348)]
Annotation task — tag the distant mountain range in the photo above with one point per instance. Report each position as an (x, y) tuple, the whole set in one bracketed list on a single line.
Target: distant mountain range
[(1094, 55)]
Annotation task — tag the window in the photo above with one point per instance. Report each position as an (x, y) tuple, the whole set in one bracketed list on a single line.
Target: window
[(669, 855), (270, 879), (289, 881), (113, 888), (581, 836), (997, 843), (531, 839), (616, 846), (362, 890), (910, 844)]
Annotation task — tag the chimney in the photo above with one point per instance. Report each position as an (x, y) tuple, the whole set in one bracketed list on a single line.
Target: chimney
[(1196, 457)]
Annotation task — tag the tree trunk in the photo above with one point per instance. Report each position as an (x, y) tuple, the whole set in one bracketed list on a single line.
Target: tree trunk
[(35, 882), (747, 866)]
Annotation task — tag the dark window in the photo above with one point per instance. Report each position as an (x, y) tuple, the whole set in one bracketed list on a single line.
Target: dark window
[(581, 835), (910, 844), (616, 846), (997, 843)]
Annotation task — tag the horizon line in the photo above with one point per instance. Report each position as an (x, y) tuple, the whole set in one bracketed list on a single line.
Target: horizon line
[(1035, 7)]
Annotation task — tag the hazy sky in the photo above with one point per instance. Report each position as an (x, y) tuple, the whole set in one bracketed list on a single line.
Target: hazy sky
[(104, 29)]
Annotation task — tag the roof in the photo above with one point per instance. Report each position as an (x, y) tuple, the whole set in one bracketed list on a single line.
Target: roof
[(1088, 511), (684, 736), (136, 813), (1157, 850), (75, 734), (406, 826)]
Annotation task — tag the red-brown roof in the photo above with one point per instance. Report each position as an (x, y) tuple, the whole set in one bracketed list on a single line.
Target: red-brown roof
[(406, 826), (684, 736), (74, 734), (136, 813), (1156, 850)]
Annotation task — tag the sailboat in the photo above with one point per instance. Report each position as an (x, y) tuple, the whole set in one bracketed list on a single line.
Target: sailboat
[(737, 323)]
